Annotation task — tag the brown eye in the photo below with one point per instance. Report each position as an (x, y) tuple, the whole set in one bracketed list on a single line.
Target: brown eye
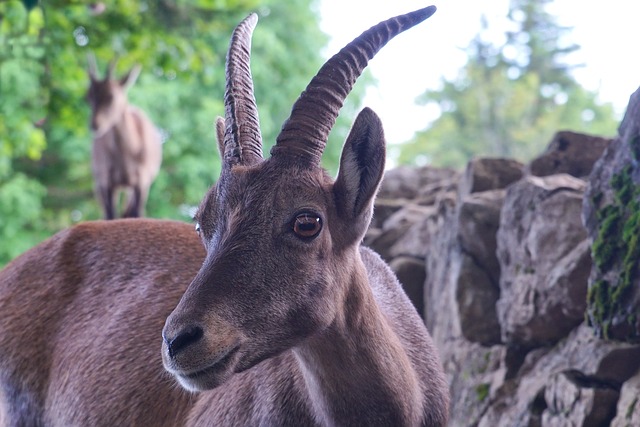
[(307, 225)]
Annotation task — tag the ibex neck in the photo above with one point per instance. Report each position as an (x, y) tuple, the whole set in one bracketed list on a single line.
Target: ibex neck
[(356, 371), (127, 131)]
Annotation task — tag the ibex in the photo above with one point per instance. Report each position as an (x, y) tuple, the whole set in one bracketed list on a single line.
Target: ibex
[(126, 145), (288, 320)]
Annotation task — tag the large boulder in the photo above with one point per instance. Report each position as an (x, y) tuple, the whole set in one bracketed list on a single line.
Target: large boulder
[(478, 222), (415, 241), (477, 277), (411, 273), (569, 152), (441, 258), (475, 272), (446, 187), (544, 260), (406, 182), (489, 173), (396, 227), (384, 208), (612, 217)]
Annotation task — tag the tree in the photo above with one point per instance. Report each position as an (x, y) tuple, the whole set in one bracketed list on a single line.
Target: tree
[(45, 142), (509, 100)]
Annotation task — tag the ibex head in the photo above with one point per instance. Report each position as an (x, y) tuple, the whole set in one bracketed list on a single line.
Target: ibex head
[(281, 236), (108, 97)]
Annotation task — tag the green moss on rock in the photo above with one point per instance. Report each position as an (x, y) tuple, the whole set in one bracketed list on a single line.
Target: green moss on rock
[(482, 392), (616, 247), (604, 247)]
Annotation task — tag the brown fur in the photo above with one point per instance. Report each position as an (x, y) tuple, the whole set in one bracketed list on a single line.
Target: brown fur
[(126, 145), (80, 321)]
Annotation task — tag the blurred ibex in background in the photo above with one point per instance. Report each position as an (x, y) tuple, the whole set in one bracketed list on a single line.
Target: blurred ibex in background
[(288, 321), (127, 151)]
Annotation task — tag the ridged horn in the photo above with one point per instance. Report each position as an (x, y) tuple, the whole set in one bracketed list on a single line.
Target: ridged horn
[(304, 134), (242, 139)]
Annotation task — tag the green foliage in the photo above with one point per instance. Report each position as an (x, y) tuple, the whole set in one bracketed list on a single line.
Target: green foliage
[(45, 175), (509, 100), (20, 206)]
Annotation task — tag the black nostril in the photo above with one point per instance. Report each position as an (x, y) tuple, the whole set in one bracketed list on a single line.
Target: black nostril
[(185, 338)]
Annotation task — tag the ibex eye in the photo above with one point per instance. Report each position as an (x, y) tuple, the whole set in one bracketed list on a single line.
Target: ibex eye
[(307, 225), (198, 228)]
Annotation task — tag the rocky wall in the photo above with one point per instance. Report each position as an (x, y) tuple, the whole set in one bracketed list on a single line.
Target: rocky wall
[(527, 276)]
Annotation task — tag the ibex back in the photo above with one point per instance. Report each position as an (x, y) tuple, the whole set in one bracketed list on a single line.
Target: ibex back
[(126, 145), (288, 321)]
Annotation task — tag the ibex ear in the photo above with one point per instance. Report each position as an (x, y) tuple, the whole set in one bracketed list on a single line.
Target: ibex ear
[(130, 78), (361, 168), (92, 67)]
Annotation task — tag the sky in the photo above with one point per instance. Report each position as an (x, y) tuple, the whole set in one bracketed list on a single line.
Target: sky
[(418, 59)]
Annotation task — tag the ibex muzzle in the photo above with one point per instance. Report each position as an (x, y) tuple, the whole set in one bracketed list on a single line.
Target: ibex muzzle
[(126, 145)]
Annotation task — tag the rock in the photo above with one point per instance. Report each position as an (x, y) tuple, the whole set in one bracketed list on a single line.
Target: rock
[(569, 403), (415, 241), (405, 182), (544, 260), (471, 371), (477, 279), (381, 240), (582, 370), (407, 216), (397, 226), (384, 208), (411, 274), (441, 260), (478, 221), (432, 193), (628, 409), (611, 214), (476, 295), (571, 153), (484, 173), (400, 183)]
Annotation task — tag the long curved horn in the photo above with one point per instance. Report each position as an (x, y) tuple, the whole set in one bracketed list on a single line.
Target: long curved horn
[(304, 135), (242, 140)]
